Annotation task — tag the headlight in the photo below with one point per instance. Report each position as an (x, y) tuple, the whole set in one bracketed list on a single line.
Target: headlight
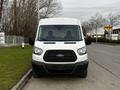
[(37, 51), (82, 51)]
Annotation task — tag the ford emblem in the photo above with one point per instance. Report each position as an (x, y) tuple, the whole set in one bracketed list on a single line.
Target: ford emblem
[(59, 55)]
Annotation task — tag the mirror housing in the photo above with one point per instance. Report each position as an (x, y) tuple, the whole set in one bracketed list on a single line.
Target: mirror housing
[(31, 41), (88, 40)]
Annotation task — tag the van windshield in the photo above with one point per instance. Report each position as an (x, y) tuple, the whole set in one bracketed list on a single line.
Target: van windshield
[(59, 33)]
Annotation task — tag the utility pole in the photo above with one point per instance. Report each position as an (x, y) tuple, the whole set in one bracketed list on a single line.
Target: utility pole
[(38, 6), (15, 17), (96, 31), (96, 34)]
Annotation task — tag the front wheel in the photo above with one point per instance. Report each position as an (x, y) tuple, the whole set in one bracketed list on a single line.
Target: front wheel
[(35, 75), (83, 74)]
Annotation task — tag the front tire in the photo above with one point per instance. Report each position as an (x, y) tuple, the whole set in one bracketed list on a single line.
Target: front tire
[(83, 74), (35, 75)]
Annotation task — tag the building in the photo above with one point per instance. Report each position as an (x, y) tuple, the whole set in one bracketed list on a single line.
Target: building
[(115, 33)]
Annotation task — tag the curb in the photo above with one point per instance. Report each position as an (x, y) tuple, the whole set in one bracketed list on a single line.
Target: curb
[(23, 81)]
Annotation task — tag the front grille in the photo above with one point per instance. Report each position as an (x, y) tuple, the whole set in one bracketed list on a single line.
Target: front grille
[(60, 56)]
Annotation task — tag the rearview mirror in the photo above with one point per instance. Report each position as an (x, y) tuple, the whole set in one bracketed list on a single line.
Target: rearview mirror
[(31, 41), (88, 40)]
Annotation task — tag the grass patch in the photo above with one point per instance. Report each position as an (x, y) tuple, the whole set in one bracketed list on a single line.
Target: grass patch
[(14, 63)]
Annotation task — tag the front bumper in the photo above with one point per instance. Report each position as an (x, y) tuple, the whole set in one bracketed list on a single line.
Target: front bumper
[(43, 68)]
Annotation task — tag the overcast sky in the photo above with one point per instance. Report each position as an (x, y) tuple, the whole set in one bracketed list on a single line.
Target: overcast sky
[(83, 9)]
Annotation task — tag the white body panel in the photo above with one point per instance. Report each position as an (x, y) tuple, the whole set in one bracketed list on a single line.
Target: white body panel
[(60, 46), (59, 21)]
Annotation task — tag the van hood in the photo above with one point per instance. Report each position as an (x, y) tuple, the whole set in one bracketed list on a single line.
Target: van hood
[(54, 45)]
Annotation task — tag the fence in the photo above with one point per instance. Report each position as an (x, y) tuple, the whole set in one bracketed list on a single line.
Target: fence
[(14, 40)]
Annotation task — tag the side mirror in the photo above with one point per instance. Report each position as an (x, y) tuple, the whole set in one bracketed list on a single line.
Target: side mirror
[(88, 40), (31, 41)]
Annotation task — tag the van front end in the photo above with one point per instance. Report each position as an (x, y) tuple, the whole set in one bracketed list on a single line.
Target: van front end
[(60, 58), (59, 48)]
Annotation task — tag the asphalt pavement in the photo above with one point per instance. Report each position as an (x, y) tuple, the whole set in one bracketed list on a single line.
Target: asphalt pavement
[(103, 73)]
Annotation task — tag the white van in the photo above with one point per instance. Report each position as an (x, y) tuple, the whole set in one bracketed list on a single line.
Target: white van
[(59, 48)]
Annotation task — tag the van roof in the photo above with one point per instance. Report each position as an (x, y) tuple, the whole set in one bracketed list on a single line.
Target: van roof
[(59, 21)]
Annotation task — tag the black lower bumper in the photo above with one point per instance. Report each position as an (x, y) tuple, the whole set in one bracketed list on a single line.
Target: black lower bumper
[(43, 68)]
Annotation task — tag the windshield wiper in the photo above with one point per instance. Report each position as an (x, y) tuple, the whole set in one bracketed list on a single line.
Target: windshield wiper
[(42, 39)]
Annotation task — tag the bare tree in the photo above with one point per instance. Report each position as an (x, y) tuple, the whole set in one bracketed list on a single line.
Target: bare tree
[(24, 15), (49, 8), (93, 23), (98, 21), (86, 27), (114, 19)]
